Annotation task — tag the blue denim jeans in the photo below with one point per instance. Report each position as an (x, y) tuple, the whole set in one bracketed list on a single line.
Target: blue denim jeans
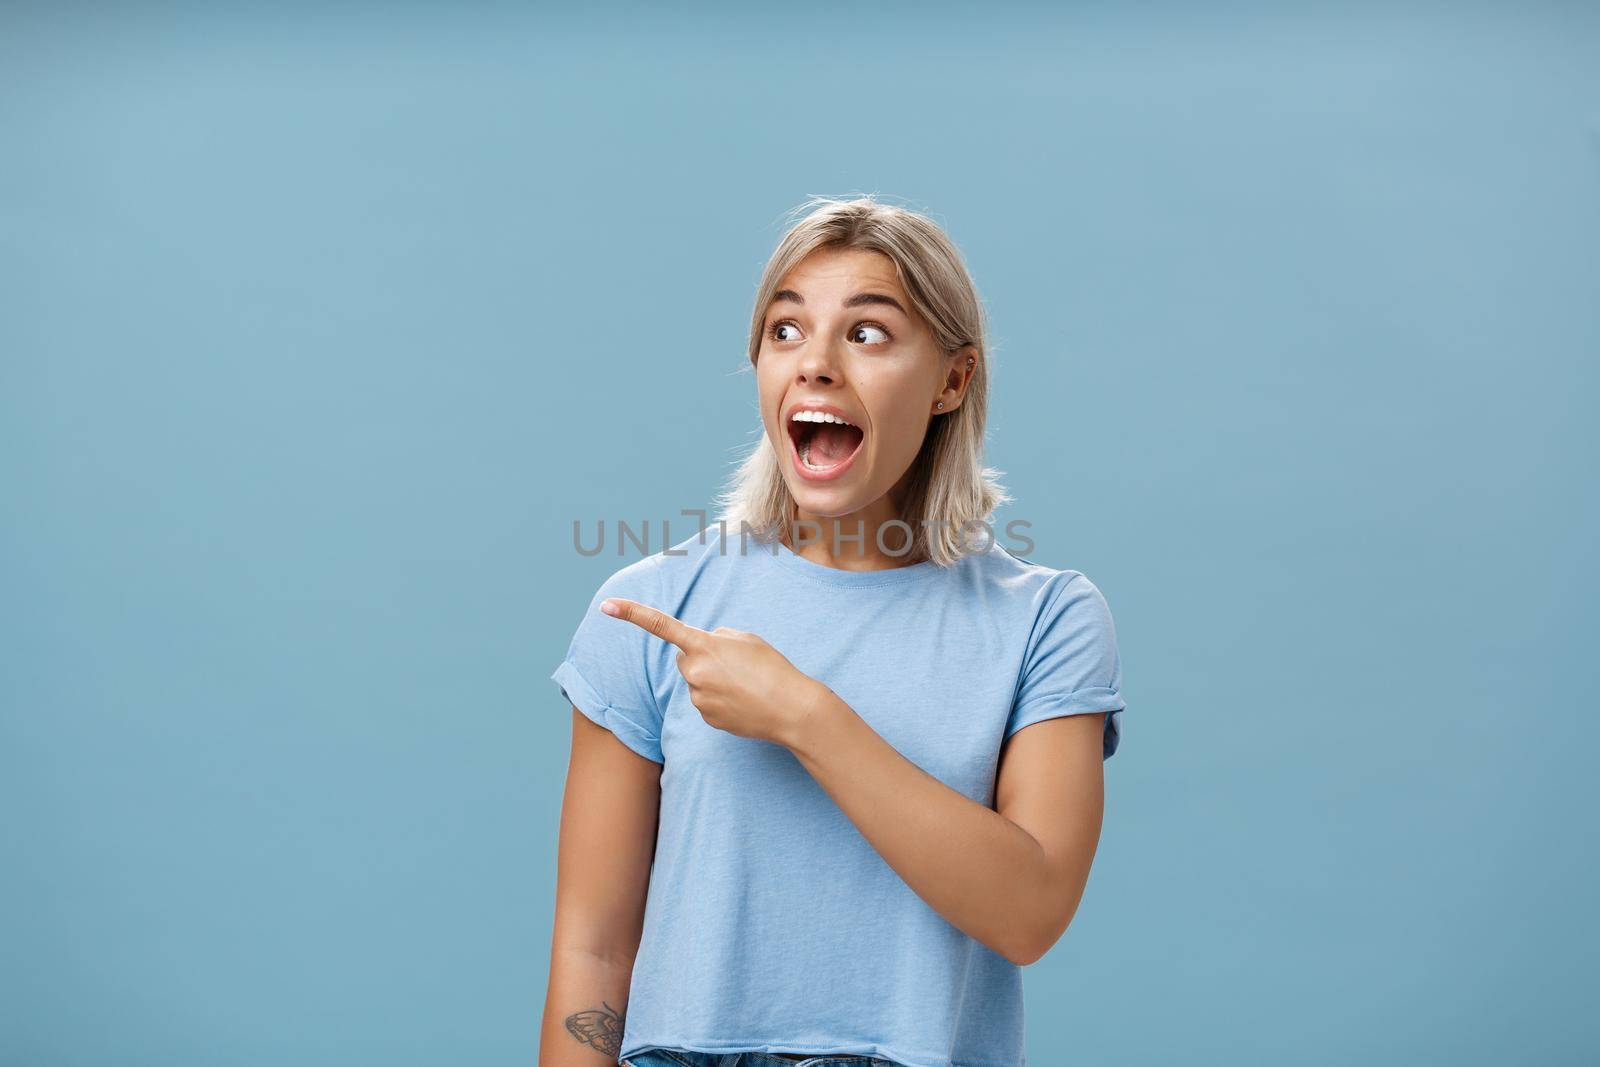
[(673, 1058)]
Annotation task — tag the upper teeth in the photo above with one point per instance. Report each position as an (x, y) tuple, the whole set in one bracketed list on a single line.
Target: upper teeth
[(818, 416)]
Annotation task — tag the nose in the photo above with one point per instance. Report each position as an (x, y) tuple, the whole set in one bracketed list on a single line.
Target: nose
[(818, 363)]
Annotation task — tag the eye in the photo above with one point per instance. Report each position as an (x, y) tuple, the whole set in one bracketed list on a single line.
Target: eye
[(862, 333)]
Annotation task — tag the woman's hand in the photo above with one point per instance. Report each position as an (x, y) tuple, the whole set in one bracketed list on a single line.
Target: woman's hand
[(738, 682)]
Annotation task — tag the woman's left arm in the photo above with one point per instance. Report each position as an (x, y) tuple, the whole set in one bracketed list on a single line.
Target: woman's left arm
[(1010, 876)]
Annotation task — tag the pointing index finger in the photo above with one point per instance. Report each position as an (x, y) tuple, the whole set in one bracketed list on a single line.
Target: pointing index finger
[(654, 621)]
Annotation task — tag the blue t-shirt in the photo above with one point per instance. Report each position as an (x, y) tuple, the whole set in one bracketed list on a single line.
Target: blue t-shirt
[(771, 923)]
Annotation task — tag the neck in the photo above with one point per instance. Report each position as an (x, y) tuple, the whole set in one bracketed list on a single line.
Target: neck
[(851, 542)]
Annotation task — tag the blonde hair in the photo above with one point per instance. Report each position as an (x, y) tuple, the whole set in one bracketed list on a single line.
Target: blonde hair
[(949, 491)]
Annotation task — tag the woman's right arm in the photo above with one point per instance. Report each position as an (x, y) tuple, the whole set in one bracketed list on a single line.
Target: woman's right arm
[(608, 839)]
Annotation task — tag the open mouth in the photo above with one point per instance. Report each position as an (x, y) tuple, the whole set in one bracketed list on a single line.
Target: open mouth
[(824, 446)]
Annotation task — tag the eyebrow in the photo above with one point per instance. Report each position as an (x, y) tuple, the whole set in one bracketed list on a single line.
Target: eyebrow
[(859, 300)]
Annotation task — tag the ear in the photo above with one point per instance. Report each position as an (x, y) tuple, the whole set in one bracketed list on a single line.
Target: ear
[(960, 365)]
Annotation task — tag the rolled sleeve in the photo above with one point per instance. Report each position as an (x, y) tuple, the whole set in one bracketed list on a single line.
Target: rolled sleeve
[(1073, 665), (606, 671)]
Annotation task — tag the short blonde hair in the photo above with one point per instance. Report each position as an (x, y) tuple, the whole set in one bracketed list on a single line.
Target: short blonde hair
[(949, 491)]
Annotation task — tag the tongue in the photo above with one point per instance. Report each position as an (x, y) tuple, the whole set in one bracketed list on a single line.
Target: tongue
[(832, 444)]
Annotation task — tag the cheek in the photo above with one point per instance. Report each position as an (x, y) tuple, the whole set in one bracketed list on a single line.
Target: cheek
[(909, 434), (899, 427), (769, 388), (773, 371), (901, 399)]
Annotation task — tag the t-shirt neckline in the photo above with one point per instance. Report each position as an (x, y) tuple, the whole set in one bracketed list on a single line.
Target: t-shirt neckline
[(790, 560)]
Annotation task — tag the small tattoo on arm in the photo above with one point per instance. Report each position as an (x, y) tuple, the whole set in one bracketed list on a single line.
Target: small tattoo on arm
[(599, 1028)]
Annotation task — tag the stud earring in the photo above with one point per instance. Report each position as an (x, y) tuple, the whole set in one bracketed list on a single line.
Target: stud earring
[(940, 404)]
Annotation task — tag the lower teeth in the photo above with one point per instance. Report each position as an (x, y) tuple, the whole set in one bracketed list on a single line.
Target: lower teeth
[(805, 457)]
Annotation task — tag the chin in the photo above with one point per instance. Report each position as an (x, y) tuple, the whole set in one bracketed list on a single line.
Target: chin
[(824, 503)]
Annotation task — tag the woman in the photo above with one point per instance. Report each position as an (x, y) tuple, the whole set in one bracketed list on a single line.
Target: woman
[(835, 781)]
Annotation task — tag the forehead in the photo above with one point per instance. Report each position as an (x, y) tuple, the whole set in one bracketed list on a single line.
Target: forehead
[(844, 270)]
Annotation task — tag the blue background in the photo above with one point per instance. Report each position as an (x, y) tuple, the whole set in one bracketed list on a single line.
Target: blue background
[(321, 327)]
